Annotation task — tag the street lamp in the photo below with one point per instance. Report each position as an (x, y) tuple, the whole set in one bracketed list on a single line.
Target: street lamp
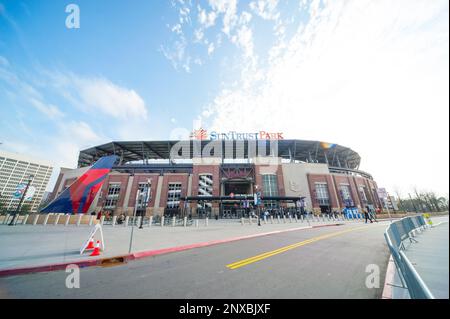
[(30, 179), (145, 204)]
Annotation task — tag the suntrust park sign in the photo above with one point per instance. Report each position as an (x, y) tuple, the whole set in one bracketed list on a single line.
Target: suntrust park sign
[(202, 134)]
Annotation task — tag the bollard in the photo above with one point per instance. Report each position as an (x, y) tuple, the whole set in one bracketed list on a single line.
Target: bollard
[(250, 220), (138, 223), (196, 223), (102, 220), (150, 221), (16, 220), (114, 219), (278, 218), (79, 219), (5, 221), (46, 219), (127, 219), (184, 221), (265, 219), (284, 219), (242, 221), (296, 219), (301, 218), (56, 219), (162, 221), (271, 219), (290, 218), (173, 221), (25, 219), (91, 220), (206, 221)]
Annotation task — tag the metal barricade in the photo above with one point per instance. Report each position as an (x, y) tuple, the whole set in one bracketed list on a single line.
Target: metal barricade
[(395, 234)]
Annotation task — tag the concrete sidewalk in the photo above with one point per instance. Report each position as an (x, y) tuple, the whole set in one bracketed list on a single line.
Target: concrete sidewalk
[(430, 258), (28, 246)]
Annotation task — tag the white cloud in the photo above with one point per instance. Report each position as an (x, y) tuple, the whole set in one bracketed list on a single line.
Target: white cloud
[(111, 99), (211, 48), (49, 110), (371, 75), (266, 9), (99, 94)]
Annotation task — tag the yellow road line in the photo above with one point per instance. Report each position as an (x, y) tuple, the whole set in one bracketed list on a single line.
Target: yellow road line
[(268, 254)]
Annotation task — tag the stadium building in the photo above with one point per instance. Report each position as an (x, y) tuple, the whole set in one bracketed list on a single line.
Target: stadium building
[(221, 176)]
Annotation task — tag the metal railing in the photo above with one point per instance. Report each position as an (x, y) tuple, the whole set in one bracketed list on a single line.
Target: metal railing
[(396, 234)]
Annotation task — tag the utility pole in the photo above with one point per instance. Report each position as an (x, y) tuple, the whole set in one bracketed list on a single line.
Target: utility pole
[(30, 179)]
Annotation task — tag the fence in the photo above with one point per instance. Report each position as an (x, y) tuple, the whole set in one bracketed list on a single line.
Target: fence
[(120, 221), (396, 235)]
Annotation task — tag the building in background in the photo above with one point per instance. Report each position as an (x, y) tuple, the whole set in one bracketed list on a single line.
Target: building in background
[(325, 176), (15, 170)]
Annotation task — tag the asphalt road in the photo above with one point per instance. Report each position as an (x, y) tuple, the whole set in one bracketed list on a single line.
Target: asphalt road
[(328, 262)]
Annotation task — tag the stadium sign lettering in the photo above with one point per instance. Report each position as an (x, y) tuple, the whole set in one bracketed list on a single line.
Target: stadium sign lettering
[(202, 134)]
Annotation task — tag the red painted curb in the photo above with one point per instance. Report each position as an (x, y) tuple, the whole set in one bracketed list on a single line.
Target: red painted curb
[(143, 254)]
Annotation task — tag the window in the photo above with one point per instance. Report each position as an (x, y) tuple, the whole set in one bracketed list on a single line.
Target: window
[(270, 188), (173, 195), (345, 195), (145, 194), (270, 185), (322, 196), (113, 196), (205, 185), (362, 192), (205, 188)]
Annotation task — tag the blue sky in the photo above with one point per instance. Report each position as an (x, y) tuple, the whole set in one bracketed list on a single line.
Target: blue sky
[(364, 74)]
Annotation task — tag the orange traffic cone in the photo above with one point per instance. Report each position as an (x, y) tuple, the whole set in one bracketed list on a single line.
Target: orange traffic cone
[(96, 251), (91, 244)]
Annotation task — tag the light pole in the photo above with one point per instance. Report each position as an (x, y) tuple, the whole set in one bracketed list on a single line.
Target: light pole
[(30, 179), (145, 204)]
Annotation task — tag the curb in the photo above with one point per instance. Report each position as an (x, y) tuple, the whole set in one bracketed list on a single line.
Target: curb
[(389, 279), (143, 254)]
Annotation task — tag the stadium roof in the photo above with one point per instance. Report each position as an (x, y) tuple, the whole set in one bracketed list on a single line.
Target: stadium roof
[(301, 150)]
